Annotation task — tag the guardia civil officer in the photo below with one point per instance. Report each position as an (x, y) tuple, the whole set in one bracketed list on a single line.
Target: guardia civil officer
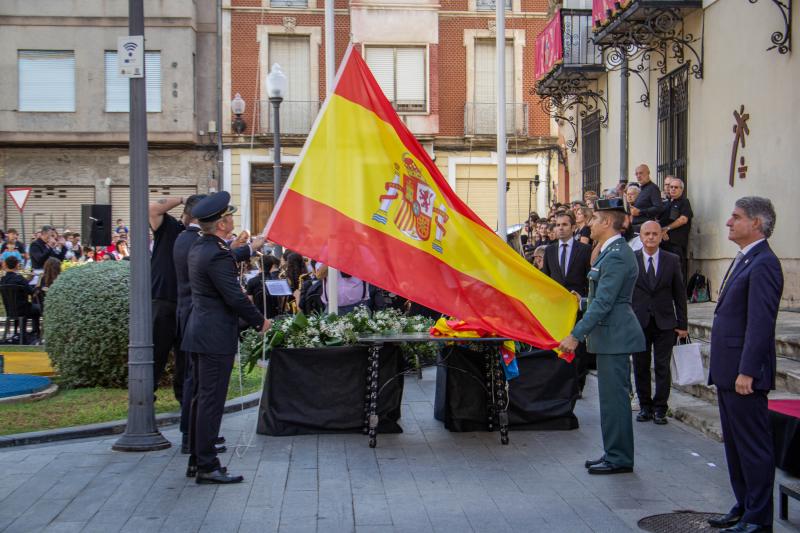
[(212, 330), (612, 331)]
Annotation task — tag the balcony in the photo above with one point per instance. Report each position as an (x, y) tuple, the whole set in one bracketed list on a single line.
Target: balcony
[(481, 119), (634, 28), (296, 117), (566, 57)]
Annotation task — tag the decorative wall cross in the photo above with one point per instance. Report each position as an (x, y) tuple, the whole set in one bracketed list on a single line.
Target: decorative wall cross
[(740, 131)]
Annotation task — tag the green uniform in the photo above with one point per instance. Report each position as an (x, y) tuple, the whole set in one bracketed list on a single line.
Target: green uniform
[(613, 333)]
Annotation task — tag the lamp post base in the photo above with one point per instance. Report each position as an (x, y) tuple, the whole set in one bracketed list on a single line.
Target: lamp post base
[(145, 442)]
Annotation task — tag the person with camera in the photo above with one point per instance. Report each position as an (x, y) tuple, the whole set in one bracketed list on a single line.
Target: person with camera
[(47, 245)]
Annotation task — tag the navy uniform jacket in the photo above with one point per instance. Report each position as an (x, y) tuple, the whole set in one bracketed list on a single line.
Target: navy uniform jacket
[(609, 324), (743, 333), (180, 256), (217, 299)]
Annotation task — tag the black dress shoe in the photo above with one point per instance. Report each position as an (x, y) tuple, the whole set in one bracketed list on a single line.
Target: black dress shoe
[(606, 468), (220, 440), (744, 527), (660, 418), (218, 477), (728, 520), (644, 415), (589, 463), (191, 470)]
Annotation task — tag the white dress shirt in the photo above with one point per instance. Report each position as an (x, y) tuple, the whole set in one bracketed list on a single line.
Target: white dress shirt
[(746, 249), (569, 242)]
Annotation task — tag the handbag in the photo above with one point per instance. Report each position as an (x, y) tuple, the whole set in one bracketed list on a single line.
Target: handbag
[(687, 364)]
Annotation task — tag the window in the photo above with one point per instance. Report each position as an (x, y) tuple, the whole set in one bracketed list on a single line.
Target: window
[(46, 80), (590, 139), (673, 124), (298, 110), (118, 87), (481, 110), (289, 3), (400, 71), (490, 5)]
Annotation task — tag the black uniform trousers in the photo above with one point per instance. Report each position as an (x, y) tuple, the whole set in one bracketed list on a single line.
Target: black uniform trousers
[(189, 391), (747, 435), (682, 253), (165, 340), (212, 373), (660, 343)]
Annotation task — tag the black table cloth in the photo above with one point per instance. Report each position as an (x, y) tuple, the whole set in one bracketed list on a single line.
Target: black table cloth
[(786, 434), (542, 397), (311, 391)]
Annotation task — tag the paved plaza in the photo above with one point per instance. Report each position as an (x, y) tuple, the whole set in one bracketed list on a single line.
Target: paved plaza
[(425, 479)]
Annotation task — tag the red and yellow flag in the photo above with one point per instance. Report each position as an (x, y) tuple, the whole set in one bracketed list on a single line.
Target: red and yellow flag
[(367, 199)]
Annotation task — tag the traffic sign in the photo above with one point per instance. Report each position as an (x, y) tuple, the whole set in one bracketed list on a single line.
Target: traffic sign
[(19, 195)]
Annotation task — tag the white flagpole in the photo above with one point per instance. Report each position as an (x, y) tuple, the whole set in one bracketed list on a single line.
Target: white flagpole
[(500, 45), (330, 75)]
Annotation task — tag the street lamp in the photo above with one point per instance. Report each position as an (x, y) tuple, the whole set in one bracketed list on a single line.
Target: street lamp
[(237, 108), (276, 90)]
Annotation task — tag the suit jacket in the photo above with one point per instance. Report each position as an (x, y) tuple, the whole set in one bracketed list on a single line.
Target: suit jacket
[(217, 299), (21, 294), (666, 302), (609, 324), (743, 332), (577, 267)]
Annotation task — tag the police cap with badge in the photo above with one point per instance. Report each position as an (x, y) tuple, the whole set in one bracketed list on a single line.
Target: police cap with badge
[(213, 207)]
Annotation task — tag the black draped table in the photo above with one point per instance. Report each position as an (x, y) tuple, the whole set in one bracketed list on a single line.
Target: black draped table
[(785, 418)]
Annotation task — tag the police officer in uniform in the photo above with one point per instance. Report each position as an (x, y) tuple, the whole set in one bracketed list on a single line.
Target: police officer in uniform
[(180, 255), (212, 331), (612, 331)]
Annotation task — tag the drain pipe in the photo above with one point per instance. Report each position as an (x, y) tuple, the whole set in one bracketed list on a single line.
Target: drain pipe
[(220, 153), (623, 127)]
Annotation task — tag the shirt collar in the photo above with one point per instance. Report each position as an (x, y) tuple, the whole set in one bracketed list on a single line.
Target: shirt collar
[(568, 242), (654, 256), (608, 242), (193, 225), (746, 249)]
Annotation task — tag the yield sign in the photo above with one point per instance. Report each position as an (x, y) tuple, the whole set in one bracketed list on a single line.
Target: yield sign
[(19, 195)]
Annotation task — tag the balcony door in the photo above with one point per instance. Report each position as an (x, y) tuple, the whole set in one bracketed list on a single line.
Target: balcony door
[(297, 110), (262, 197), (482, 115)]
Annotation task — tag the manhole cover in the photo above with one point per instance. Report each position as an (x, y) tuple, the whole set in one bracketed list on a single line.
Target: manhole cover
[(678, 522)]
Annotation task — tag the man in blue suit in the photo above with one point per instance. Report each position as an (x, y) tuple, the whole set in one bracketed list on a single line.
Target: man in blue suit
[(743, 364), (612, 332)]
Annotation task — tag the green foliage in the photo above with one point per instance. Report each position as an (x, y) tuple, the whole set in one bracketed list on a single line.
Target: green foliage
[(322, 330), (86, 324)]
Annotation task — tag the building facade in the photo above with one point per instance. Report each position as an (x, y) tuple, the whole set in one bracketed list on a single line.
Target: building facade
[(64, 107), (435, 62), (711, 99)]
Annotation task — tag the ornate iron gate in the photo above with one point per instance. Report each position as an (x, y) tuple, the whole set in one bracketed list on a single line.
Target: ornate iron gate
[(673, 124), (590, 139)]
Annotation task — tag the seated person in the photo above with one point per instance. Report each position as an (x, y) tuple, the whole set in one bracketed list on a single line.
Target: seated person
[(23, 305)]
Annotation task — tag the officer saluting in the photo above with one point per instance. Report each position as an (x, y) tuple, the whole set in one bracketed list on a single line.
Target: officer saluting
[(612, 332), (212, 330)]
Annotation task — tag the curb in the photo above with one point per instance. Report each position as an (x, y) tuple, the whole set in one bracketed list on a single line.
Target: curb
[(111, 428)]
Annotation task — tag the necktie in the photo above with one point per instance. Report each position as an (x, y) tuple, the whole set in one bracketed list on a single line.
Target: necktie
[(734, 264), (651, 273), (564, 260)]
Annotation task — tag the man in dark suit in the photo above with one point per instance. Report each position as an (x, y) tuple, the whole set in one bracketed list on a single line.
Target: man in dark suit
[(567, 261), (212, 330), (659, 301), (46, 246), (743, 364)]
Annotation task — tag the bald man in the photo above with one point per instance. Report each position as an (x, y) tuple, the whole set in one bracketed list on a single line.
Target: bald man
[(659, 301), (648, 205)]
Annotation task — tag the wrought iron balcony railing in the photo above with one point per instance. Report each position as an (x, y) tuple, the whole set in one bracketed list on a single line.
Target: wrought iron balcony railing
[(296, 117), (481, 119), (566, 47)]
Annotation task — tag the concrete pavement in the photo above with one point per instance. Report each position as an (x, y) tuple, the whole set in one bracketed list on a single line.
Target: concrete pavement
[(426, 479)]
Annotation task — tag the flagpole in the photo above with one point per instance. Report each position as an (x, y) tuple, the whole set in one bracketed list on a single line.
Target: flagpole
[(330, 74), (500, 45)]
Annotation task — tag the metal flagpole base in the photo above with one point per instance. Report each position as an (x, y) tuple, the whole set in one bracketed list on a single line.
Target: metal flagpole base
[(145, 442)]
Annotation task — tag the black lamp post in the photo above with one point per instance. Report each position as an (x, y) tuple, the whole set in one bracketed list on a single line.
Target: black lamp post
[(276, 89)]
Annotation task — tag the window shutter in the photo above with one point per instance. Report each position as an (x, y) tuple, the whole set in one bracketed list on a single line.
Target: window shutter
[(411, 79), (46, 80), (381, 63), (118, 87), (293, 54)]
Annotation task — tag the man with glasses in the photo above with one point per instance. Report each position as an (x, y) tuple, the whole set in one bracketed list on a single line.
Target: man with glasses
[(648, 204), (676, 222)]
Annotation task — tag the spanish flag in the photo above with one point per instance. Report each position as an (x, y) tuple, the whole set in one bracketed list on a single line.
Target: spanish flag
[(366, 198)]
